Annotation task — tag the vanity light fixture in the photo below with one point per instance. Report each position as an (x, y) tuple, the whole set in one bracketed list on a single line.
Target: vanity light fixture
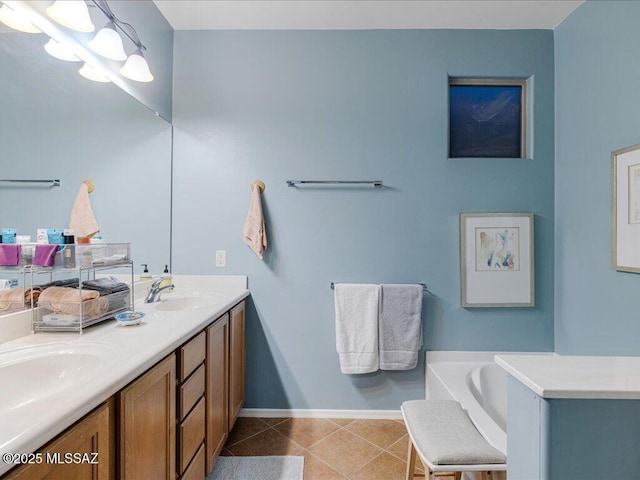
[(136, 68), (73, 14), (16, 20), (108, 43), (90, 73), (60, 51)]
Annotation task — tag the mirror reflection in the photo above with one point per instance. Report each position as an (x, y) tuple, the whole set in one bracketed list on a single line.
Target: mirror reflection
[(54, 124)]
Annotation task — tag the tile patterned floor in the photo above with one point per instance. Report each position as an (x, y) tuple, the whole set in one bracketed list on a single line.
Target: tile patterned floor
[(333, 449)]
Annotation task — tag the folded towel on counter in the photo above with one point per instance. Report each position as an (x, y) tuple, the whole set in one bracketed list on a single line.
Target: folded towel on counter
[(45, 255), (254, 232), (83, 221), (11, 300), (106, 285), (357, 327), (71, 300), (9, 254), (400, 326), (14, 299), (69, 282)]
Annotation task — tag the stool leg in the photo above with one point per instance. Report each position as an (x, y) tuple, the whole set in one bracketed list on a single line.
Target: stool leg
[(411, 461), (486, 475), (457, 476)]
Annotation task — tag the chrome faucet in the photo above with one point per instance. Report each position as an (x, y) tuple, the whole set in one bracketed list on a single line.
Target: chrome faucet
[(156, 290)]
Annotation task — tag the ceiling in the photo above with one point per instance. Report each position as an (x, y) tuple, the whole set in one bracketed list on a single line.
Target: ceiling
[(364, 14)]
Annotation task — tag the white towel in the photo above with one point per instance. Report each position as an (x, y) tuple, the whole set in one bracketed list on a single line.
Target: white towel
[(83, 221), (357, 327), (253, 231), (400, 326)]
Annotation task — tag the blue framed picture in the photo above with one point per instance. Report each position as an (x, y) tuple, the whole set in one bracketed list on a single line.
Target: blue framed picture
[(486, 118)]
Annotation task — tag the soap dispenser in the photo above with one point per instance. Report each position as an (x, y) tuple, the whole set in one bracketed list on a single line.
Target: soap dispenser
[(166, 277), (145, 275)]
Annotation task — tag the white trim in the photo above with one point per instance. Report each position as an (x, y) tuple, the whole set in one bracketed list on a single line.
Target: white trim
[(311, 413)]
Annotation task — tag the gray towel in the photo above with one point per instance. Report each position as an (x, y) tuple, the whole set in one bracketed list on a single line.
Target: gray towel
[(400, 326)]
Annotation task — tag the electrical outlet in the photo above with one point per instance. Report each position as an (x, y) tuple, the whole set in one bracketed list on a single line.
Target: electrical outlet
[(221, 258)]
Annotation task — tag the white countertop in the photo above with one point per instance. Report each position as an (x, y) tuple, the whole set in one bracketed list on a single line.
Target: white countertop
[(135, 349), (559, 376)]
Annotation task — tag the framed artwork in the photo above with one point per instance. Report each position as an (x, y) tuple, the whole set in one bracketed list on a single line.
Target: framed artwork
[(496, 260), (625, 209), (487, 118)]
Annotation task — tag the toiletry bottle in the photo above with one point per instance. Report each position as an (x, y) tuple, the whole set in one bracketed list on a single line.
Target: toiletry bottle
[(145, 275), (69, 252), (166, 277)]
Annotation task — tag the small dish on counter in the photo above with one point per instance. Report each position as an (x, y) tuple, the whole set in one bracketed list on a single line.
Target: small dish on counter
[(129, 318)]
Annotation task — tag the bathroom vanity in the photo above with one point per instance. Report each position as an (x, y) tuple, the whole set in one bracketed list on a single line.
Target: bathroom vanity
[(156, 400), (572, 417)]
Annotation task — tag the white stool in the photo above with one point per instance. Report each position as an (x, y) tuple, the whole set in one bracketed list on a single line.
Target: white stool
[(445, 439)]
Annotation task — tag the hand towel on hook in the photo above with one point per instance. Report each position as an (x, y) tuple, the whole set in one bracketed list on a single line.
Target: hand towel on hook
[(254, 232), (357, 327), (83, 221)]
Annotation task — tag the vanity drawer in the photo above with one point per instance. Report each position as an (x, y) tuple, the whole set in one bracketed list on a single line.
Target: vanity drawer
[(190, 392), (195, 471), (191, 355), (190, 435)]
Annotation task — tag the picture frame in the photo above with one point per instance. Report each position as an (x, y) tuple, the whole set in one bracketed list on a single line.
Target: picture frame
[(625, 209), (487, 118), (496, 260)]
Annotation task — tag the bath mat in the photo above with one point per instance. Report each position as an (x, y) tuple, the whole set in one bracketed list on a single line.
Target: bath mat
[(258, 468)]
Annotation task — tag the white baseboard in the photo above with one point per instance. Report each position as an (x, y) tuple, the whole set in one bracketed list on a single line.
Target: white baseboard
[(315, 413)]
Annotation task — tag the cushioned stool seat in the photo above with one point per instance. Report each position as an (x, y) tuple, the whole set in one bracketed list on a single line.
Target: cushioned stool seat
[(445, 439)]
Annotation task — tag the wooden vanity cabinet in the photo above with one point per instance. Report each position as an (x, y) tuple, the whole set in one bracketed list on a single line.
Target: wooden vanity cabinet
[(236, 361), (217, 388), (147, 424), (191, 407), (90, 438)]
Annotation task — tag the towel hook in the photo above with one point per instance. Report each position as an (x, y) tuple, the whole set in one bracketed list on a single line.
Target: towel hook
[(260, 185), (90, 185)]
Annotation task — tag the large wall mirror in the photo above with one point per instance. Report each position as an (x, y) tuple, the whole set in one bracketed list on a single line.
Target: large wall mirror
[(54, 124)]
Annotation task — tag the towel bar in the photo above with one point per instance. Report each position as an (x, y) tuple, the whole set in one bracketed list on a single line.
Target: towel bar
[(424, 287), (52, 183), (374, 183)]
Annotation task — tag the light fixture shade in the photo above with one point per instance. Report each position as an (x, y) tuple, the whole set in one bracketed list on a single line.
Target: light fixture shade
[(136, 68), (90, 73), (72, 14), (61, 52), (108, 43), (17, 21)]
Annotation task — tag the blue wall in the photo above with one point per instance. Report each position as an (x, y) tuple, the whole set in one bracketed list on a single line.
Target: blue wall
[(281, 105), (597, 99)]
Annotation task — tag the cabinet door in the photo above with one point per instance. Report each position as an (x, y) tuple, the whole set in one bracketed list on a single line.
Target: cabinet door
[(88, 441), (236, 362), (217, 388), (148, 425)]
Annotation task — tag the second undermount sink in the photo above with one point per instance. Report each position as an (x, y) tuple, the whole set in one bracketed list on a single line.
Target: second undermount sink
[(185, 301), (30, 374)]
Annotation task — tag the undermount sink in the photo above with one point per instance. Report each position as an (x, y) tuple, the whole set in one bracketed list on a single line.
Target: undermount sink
[(34, 373), (181, 301)]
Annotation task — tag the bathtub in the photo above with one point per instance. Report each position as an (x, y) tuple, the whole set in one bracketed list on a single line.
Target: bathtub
[(474, 380)]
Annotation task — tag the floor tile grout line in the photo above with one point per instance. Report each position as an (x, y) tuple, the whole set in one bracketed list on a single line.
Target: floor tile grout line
[(369, 441), (327, 464), (244, 439)]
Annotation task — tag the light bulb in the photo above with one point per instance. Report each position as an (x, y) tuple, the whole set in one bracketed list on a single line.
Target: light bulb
[(16, 20), (90, 73), (136, 68), (72, 14), (108, 43), (60, 51)]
